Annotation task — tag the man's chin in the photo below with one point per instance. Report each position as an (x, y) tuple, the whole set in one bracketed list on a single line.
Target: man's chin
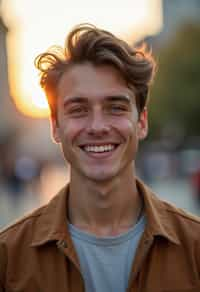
[(100, 177)]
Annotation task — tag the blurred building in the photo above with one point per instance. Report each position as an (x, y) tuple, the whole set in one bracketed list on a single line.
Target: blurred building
[(175, 14), (4, 92), (27, 134), (8, 113)]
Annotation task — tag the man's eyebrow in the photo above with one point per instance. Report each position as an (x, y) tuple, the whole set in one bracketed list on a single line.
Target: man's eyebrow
[(74, 99), (110, 98), (122, 98)]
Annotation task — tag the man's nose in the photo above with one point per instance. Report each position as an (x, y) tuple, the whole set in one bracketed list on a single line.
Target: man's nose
[(98, 124)]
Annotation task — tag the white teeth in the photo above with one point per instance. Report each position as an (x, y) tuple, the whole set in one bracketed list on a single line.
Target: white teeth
[(99, 149)]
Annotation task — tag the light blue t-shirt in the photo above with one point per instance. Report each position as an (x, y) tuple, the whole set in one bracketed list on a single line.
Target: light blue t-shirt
[(106, 261)]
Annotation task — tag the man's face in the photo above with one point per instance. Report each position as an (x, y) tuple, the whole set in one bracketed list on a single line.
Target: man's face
[(97, 122)]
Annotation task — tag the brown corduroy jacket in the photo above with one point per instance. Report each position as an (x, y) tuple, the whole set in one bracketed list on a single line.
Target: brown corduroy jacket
[(37, 254)]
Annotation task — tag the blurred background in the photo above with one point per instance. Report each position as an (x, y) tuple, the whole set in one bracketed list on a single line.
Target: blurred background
[(31, 165)]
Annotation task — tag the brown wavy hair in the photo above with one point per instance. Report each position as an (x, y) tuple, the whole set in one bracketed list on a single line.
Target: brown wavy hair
[(87, 43)]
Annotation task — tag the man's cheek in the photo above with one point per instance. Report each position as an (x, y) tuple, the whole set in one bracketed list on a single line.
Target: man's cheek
[(127, 127)]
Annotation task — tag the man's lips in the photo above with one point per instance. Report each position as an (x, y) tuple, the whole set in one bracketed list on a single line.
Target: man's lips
[(99, 148)]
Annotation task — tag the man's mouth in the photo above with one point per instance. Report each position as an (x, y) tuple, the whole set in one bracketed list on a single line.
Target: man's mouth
[(99, 148)]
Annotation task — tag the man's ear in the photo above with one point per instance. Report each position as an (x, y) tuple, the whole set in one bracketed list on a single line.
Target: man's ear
[(55, 130), (143, 124)]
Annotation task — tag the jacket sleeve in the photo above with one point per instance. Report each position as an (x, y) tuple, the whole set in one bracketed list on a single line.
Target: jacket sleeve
[(3, 264)]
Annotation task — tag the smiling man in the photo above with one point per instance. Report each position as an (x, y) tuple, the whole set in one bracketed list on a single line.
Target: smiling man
[(105, 231)]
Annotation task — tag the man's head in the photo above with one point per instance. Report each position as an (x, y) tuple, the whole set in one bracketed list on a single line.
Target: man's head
[(86, 43), (97, 89)]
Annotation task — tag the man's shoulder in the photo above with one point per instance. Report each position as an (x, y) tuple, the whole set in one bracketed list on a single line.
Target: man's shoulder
[(167, 211), (181, 214), (181, 221), (41, 223), (169, 220), (26, 222)]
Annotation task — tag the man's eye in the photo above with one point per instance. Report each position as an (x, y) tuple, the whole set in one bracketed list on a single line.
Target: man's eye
[(77, 110), (118, 108)]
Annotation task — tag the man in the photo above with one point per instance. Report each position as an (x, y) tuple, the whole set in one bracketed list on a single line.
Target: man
[(105, 231)]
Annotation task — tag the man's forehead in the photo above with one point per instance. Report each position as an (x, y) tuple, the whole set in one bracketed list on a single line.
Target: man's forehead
[(87, 73)]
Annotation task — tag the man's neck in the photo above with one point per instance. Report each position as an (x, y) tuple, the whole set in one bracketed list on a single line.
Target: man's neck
[(104, 208)]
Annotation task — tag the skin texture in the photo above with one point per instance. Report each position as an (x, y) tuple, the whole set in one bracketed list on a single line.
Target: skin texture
[(95, 108)]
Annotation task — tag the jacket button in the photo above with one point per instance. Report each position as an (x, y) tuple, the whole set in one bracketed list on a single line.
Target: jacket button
[(63, 243)]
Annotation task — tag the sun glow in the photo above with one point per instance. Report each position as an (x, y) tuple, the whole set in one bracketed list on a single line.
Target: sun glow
[(41, 24), (34, 105)]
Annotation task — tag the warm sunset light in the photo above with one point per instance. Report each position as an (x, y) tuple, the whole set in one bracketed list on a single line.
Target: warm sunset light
[(36, 25), (34, 105), (33, 101)]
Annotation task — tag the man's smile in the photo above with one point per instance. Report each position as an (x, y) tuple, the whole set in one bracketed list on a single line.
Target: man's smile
[(99, 150)]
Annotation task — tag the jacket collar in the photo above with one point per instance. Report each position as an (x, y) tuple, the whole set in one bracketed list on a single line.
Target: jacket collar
[(157, 211), (51, 222)]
